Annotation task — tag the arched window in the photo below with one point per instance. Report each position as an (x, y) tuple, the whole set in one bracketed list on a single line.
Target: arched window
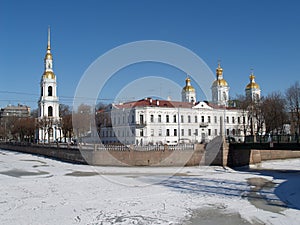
[(50, 91), (50, 111)]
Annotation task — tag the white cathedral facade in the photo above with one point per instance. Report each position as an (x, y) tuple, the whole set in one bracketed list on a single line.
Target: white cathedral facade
[(151, 121), (48, 105)]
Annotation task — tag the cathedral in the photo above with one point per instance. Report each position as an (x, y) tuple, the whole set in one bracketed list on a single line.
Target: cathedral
[(48, 105), (152, 121)]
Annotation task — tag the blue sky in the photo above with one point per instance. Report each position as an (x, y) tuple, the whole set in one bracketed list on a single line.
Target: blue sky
[(259, 34)]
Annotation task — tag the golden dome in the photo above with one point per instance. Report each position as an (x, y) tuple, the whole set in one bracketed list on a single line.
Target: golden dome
[(188, 86), (49, 75), (252, 84), (48, 56), (220, 82)]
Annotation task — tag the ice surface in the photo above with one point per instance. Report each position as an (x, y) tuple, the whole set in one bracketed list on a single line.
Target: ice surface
[(37, 190)]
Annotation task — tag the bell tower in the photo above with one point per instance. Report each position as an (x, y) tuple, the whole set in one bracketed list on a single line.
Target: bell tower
[(48, 104)]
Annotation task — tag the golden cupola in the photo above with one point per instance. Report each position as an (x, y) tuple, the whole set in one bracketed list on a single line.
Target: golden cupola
[(188, 87), (252, 84), (220, 81)]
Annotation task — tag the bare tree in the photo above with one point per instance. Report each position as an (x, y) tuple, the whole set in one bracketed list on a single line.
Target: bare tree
[(65, 113), (46, 124), (81, 120), (293, 103), (274, 113)]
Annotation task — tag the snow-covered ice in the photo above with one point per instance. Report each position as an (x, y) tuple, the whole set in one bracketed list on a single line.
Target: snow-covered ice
[(37, 190)]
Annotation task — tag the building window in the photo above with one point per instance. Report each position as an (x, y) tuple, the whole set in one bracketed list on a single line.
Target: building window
[(182, 120), (209, 132), (196, 119), (227, 119), (196, 132), (216, 132), (159, 118), (208, 119), (227, 132), (189, 119), (168, 132), (202, 119), (233, 120), (175, 132), (216, 120), (50, 91), (42, 91), (50, 111), (50, 132), (152, 132), (141, 119), (141, 132), (239, 120), (159, 132), (182, 132), (167, 119), (151, 118), (174, 119), (190, 132), (244, 120)]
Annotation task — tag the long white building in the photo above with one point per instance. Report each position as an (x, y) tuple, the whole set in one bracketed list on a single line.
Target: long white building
[(151, 121)]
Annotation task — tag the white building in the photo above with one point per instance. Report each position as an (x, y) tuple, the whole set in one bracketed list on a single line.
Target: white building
[(48, 104), (151, 121)]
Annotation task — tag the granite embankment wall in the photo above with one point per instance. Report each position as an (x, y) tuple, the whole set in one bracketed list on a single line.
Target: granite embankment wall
[(64, 154), (246, 154), (232, 155), (130, 157)]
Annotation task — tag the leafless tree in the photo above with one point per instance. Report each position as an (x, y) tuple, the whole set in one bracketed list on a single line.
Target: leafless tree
[(81, 120), (274, 113), (293, 103), (66, 121)]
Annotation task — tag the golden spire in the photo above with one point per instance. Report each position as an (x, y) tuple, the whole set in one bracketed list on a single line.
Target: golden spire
[(48, 46), (48, 54)]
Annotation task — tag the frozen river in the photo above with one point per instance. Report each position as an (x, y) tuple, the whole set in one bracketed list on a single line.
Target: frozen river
[(37, 190)]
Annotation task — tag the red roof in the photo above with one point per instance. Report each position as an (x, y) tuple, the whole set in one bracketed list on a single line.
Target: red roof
[(149, 102)]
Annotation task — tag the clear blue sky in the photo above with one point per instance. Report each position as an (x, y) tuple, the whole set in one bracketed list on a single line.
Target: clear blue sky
[(259, 34)]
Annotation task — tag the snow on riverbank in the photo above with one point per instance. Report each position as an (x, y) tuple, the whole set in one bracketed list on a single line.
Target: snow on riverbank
[(37, 190)]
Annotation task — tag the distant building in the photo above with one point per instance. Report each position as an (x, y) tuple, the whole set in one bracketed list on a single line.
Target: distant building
[(15, 111)]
